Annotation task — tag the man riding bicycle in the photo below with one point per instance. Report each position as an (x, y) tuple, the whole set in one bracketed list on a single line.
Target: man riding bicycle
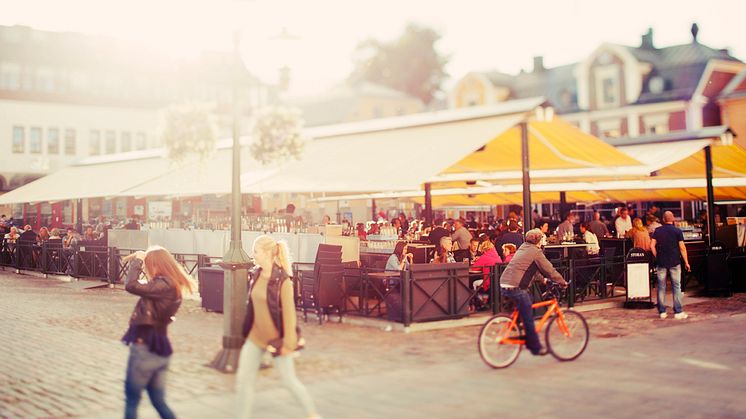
[(515, 280)]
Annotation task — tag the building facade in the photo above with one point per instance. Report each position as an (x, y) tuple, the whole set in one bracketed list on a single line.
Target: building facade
[(620, 91), (68, 96)]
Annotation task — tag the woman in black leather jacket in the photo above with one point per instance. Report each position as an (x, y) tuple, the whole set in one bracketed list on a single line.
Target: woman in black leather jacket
[(150, 348), (270, 325)]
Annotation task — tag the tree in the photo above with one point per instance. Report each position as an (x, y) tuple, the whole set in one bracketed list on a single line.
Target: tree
[(409, 64), (188, 131), (277, 135)]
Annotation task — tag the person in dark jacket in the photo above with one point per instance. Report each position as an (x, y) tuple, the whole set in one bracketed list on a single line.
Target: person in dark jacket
[(517, 277), (150, 349), (270, 325)]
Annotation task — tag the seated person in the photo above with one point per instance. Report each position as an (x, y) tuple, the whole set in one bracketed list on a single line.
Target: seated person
[(488, 259), (508, 252), (444, 253), (590, 239), (400, 259), (474, 251)]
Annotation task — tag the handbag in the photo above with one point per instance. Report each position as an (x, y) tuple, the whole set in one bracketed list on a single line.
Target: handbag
[(275, 345)]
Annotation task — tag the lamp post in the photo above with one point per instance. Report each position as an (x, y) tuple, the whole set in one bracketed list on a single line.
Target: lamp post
[(235, 261)]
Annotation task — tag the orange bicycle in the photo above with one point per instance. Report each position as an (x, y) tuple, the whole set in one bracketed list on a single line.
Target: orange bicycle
[(501, 338)]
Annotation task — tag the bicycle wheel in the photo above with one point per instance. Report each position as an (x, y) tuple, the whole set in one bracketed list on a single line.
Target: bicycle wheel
[(567, 338), (493, 352)]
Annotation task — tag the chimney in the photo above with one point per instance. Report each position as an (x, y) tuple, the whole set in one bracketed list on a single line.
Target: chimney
[(538, 64), (647, 40), (695, 31)]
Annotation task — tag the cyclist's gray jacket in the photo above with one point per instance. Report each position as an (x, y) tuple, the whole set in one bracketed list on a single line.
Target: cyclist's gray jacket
[(527, 261)]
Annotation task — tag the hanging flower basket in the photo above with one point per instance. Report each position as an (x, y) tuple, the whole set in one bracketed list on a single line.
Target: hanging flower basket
[(188, 131), (278, 135)]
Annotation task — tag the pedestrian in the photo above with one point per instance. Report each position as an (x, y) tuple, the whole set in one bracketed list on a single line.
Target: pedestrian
[(668, 248), (150, 349), (270, 325)]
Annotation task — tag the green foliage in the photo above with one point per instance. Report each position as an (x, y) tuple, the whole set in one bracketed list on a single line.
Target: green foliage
[(188, 131), (277, 135), (409, 64)]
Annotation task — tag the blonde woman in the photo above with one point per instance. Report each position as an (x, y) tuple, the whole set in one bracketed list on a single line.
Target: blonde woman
[(270, 325), (147, 337), (639, 235)]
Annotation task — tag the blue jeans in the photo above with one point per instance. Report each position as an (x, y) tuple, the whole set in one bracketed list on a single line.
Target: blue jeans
[(675, 283), (146, 371), (523, 304)]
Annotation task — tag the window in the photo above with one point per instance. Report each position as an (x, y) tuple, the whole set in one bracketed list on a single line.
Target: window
[(94, 143), (610, 128), (45, 80), (19, 140), (70, 141), (126, 142), (656, 124), (140, 141), (35, 140), (608, 86), (10, 76), (111, 142), (53, 141)]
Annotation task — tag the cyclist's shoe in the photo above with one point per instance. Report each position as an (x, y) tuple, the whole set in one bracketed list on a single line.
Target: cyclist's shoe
[(663, 315), (680, 316), (540, 352)]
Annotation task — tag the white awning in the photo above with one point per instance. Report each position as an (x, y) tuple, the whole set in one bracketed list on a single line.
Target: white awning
[(394, 154)]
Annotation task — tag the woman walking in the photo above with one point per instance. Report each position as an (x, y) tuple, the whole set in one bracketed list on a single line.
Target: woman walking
[(150, 348), (270, 325)]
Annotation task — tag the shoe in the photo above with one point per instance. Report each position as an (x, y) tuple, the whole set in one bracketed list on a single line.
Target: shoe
[(663, 315), (680, 316), (541, 352)]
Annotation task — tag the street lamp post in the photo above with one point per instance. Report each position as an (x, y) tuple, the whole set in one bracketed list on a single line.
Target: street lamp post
[(235, 261)]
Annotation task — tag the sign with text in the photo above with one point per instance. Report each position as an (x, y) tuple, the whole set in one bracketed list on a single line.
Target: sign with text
[(159, 209)]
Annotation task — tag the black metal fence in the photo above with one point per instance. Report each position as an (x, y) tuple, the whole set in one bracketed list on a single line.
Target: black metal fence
[(82, 261)]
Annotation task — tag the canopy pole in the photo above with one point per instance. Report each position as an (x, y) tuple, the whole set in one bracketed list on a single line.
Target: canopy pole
[(428, 205), (373, 210), (563, 205), (79, 215), (526, 178), (710, 196)]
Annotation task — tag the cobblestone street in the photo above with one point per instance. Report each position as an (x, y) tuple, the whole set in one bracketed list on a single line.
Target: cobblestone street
[(62, 357)]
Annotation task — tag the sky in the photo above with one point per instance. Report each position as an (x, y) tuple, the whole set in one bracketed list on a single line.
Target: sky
[(476, 35)]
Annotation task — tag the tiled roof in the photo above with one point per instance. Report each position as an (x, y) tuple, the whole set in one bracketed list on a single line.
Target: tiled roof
[(680, 66)]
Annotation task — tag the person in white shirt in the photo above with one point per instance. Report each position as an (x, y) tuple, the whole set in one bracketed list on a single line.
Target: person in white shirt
[(623, 223), (590, 239)]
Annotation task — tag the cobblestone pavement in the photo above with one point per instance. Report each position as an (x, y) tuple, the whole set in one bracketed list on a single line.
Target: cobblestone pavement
[(61, 356)]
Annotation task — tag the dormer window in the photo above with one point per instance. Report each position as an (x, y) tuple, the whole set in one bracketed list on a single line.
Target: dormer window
[(608, 89)]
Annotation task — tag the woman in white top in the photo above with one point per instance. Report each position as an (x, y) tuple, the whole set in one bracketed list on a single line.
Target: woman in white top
[(590, 239)]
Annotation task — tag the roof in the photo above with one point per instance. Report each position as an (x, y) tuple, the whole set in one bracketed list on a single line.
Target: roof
[(681, 67), (736, 88), (339, 103), (716, 132)]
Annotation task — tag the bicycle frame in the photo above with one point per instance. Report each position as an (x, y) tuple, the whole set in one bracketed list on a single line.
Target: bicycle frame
[(553, 308)]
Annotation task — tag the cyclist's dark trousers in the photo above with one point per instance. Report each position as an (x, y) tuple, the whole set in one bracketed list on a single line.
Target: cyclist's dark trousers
[(523, 304)]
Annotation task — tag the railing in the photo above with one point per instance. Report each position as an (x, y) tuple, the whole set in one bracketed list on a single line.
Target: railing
[(82, 261)]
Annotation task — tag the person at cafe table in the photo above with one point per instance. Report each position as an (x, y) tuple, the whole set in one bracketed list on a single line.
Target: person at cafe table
[(444, 254), (566, 229), (400, 259)]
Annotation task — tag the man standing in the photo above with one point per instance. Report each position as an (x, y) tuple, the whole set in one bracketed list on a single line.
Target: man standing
[(511, 236), (597, 226), (461, 235), (624, 223), (668, 248)]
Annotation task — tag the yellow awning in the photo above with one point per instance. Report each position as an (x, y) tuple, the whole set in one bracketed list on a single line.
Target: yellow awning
[(727, 161), (552, 145)]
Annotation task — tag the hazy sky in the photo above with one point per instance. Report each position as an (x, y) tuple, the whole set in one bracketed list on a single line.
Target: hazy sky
[(477, 35)]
